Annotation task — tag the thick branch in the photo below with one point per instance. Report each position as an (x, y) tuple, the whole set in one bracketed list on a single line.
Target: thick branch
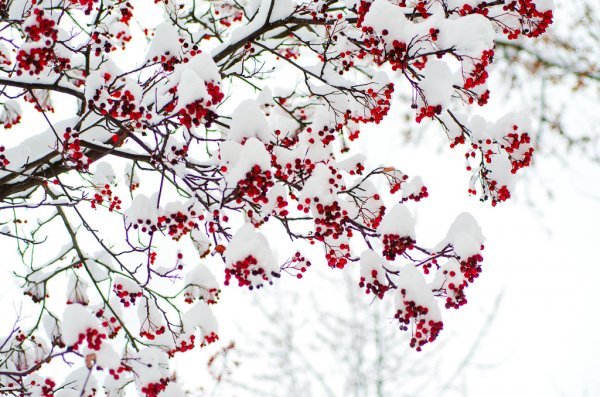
[(43, 86)]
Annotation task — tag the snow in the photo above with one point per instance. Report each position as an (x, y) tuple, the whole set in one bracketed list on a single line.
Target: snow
[(318, 185), (107, 358), (18, 8), (448, 273), (465, 235), (470, 35), (369, 261), (437, 83), (76, 320), (80, 382), (273, 10), (246, 242), (200, 241), (199, 317), (248, 120), (99, 264), (398, 221), (384, 15), (191, 88), (412, 281), (201, 283), (544, 5), (240, 159), (150, 365), (252, 126), (103, 174), (265, 97), (77, 290), (412, 187), (203, 66), (165, 41), (142, 207)]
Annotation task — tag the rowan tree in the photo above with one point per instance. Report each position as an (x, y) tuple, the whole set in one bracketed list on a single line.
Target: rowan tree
[(221, 126)]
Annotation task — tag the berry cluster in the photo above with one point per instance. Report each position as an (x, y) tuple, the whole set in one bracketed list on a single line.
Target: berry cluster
[(48, 388), (40, 99), (395, 245), (153, 332), (3, 160), (106, 194), (227, 13), (416, 195), (154, 389), (117, 103), (371, 211), (86, 5), (116, 373), (110, 323), (34, 59), (425, 330), (533, 22), (127, 298), (245, 270), (292, 171), (373, 285), (36, 291), (255, 185), (101, 44), (428, 111), (197, 112), (457, 277), (378, 104), (478, 74), (296, 265), (519, 149), (183, 346), (210, 295), (38, 52), (145, 225), (92, 337), (329, 220), (209, 338), (73, 152), (39, 28), (177, 224)]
